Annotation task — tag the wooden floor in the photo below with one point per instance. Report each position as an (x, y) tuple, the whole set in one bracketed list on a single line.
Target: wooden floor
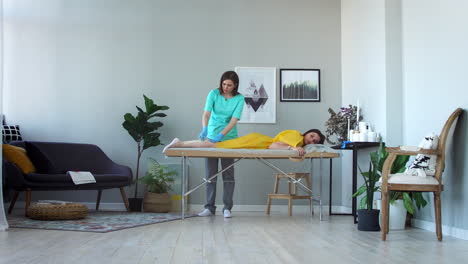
[(245, 238)]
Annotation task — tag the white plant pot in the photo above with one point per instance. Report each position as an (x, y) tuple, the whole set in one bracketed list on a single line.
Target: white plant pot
[(397, 218)]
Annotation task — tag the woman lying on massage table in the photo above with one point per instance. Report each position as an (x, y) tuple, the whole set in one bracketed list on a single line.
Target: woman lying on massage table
[(288, 139)]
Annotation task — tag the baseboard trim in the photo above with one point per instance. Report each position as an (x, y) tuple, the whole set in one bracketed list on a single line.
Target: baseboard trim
[(446, 230), (274, 208)]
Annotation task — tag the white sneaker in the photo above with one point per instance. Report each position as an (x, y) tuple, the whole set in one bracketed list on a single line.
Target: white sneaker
[(227, 213), (205, 212)]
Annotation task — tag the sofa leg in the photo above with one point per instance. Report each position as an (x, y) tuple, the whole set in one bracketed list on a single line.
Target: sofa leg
[(28, 201), (124, 198), (99, 194), (13, 201)]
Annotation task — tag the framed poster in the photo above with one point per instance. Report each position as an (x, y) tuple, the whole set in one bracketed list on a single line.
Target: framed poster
[(299, 85), (258, 86)]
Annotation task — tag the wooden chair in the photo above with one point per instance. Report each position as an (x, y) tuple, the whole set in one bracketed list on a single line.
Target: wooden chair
[(404, 182), (289, 196)]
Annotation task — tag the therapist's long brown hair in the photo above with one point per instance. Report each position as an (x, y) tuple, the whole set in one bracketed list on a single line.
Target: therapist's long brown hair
[(229, 75)]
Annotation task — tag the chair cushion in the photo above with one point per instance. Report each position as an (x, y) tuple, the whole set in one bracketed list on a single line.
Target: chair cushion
[(11, 133), (19, 157), (40, 159), (403, 178)]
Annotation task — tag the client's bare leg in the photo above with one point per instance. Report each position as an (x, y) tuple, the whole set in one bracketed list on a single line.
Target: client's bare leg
[(194, 144), (176, 143)]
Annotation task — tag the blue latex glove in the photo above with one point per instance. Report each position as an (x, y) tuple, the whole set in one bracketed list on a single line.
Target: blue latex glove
[(203, 134), (217, 138)]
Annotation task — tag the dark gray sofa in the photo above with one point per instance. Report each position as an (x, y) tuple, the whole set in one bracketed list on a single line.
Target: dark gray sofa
[(52, 161)]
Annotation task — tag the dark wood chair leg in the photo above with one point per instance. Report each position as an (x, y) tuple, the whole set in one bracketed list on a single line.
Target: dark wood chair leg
[(12, 203), (268, 205), (438, 215), (124, 198), (99, 194), (28, 201), (384, 215), (387, 210)]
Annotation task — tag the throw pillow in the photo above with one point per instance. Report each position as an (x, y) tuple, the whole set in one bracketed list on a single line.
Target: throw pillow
[(424, 165), (11, 133), (39, 159), (18, 156)]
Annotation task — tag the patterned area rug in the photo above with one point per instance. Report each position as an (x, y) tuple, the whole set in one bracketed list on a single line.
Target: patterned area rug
[(101, 222)]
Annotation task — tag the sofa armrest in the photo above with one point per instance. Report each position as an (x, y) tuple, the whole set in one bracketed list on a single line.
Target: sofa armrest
[(121, 170), (14, 176)]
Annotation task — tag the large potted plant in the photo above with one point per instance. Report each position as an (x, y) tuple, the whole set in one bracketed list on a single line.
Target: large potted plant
[(143, 131), (398, 200), (158, 183), (368, 217), (402, 204)]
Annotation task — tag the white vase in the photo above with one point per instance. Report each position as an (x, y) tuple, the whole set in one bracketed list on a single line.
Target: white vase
[(397, 218)]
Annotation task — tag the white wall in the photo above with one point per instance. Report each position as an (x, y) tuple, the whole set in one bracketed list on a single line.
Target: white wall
[(74, 68), (3, 222), (421, 47), (435, 59), (394, 84), (363, 64), (363, 58)]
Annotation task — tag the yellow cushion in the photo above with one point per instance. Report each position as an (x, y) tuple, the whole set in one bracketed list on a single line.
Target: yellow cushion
[(18, 156)]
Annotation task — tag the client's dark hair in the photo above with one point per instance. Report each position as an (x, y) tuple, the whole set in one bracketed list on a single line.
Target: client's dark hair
[(322, 137)]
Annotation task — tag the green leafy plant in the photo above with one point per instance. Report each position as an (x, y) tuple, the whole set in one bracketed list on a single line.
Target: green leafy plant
[(337, 124), (158, 179), (377, 160), (371, 177), (143, 131)]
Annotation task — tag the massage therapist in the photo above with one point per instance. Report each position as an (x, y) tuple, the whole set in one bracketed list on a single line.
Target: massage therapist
[(223, 109)]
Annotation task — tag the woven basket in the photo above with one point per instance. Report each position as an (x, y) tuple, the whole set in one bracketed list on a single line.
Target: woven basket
[(57, 211)]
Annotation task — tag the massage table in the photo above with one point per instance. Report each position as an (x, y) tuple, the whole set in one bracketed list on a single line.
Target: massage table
[(312, 152)]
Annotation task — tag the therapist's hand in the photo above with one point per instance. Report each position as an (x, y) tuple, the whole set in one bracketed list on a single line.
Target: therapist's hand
[(217, 138), (203, 134)]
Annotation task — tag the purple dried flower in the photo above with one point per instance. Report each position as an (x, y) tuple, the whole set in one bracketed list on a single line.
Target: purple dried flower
[(337, 124)]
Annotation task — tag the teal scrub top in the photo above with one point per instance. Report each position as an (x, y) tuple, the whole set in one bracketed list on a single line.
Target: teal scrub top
[(222, 110)]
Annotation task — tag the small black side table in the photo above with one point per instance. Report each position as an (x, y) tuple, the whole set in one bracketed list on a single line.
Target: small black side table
[(354, 146)]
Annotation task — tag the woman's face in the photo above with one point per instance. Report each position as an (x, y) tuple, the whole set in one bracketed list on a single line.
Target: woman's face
[(311, 138), (228, 86)]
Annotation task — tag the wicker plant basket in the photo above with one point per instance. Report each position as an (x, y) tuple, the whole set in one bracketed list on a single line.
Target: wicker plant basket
[(157, 202), (57, 211)]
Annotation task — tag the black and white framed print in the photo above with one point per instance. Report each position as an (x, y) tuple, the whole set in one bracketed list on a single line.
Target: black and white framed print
[(258, 86), (300, 85)]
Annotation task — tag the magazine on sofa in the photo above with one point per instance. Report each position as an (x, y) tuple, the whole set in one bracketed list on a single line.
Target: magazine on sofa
[(81, 177)]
